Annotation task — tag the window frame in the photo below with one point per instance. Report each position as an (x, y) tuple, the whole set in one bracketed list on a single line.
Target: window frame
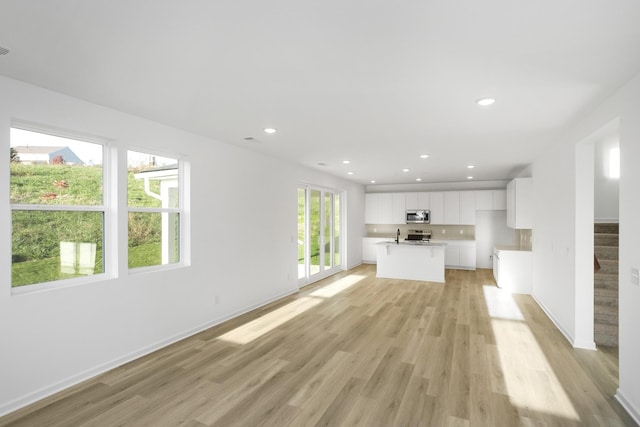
[(181, 210), (108, 238)]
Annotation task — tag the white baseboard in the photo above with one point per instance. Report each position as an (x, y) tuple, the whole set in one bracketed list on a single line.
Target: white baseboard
[(47, 391), (587, 345), (606, 220), (628, 406)]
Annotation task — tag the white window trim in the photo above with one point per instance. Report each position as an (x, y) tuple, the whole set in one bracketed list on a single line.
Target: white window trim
[(108, 225)]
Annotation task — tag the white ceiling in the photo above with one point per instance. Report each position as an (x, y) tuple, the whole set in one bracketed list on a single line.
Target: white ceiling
[(376, 82)]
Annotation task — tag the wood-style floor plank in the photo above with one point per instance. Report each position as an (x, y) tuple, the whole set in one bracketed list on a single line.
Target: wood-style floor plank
[(355, 350)]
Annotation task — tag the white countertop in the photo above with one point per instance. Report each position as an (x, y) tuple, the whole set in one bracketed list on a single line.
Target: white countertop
[(412, 243), (511, 248)]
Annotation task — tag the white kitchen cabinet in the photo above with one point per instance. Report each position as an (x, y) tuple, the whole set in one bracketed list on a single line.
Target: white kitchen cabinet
[(499, 200), (468, 207), (371, 208), (411, 200), (436, 206), (512, 269), (385, 208), (491, 200), (452, 207), (519, 203), (424, 200), (459, 254), (398, 206), (369, 248)]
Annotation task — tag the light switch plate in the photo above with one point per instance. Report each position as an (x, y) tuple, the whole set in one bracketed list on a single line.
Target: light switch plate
[(635, 276)]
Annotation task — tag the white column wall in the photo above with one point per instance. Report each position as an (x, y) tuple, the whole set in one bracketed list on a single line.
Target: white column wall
[(554, 232), (243, 251)]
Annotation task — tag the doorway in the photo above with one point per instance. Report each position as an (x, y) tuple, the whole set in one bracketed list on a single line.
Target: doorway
[(319, 233)]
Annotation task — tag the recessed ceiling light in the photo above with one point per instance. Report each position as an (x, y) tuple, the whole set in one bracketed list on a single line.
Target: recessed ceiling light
[(373, 181), (485, 101), (405, 170), (270, 130), (346, 162), (469, 177), (424, 156), (471, 166), (349, 173), (418, 179)]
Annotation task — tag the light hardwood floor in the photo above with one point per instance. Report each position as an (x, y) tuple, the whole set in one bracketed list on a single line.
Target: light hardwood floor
[(357, 350)]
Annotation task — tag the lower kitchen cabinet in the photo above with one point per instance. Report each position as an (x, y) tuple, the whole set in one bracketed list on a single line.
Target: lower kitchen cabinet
[(459, 254), (512, 269), (369, 248)]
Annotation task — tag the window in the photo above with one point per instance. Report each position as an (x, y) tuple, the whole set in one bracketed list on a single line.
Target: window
[(155, 208), (57, 208)]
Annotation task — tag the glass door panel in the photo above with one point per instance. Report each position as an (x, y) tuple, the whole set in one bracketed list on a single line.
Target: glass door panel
[(327, 207), (315, 236), (302, 223), (336, 231)]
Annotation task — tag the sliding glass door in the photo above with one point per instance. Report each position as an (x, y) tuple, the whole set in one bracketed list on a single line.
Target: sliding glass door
[(319, 233)]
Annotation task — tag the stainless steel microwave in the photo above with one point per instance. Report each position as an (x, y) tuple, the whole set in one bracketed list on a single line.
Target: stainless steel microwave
[(418, 216)]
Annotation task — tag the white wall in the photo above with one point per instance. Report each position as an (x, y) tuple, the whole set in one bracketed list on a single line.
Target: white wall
[(52, 339), (558, 202)]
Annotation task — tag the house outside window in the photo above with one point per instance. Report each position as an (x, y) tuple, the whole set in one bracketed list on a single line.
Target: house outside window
[(155, 210), (57, 208)]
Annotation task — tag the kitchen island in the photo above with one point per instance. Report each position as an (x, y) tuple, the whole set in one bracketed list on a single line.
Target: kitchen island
[(411, 261)]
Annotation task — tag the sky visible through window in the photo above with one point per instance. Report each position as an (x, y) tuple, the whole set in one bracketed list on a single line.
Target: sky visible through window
[(89, 153)]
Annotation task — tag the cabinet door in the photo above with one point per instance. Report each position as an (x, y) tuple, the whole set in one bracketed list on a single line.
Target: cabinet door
[(484, 200), (499, 200), (523, 203), (371, 208), (452, 207), (511, 205), (468, 207), (398, 203), (411, 201), (423, 200), (451, 256), (385, 208), (368, 250), (436, 205), (468, 257)]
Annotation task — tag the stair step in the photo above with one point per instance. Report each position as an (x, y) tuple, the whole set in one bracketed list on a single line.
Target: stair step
[(603, 280), (608, 266), (604, 239), (608, 228), (606, 319), (605, 334), (611, 301), (606, 252)]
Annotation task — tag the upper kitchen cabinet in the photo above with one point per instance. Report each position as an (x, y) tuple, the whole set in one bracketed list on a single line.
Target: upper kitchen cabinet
[(417, 200), (452, 207), (371, 208), (519, 203), (436, 206), (398, 207), (491, 200), (467, 207), (384, 208)]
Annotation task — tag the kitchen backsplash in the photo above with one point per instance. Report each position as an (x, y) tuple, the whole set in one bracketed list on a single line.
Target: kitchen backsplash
[(437, 231), (524, 239)]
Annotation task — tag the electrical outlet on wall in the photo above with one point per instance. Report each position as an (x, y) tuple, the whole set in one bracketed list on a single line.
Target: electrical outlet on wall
[(444, 231), (635, 276), (461, 231)]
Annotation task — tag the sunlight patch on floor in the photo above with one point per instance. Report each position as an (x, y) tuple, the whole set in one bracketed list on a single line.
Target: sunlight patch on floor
[(500, 304), (336, 287), (529, 379), (256, 328)]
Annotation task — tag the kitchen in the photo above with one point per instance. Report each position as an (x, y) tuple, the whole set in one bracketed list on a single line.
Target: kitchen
[(481, 228)]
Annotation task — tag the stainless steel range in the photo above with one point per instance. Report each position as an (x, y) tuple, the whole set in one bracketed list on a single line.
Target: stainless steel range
[(419, 235)]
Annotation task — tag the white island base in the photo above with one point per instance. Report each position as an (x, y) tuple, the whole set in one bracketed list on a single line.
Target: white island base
[(410, 261)]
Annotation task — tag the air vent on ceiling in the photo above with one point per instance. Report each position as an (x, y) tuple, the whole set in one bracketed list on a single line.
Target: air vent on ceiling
[(4, 50)]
